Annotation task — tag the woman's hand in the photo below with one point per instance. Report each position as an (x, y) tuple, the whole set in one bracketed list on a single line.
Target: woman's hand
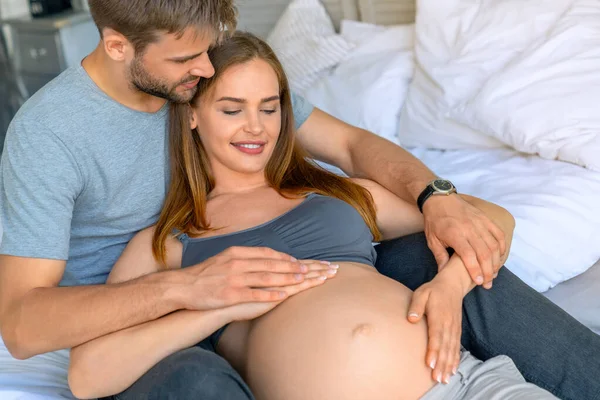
[(441, 301)]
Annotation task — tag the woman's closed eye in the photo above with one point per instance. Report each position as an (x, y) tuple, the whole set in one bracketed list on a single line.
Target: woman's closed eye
[(236, 112)]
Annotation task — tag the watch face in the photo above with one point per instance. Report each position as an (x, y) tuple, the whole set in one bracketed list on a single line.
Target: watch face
[(442, 185)]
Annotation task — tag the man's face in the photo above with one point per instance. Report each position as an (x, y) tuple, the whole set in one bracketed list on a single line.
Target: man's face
[(171, 68)]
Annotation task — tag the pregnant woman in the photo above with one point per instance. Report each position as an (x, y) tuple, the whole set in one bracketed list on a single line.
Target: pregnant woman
[(240, 179)]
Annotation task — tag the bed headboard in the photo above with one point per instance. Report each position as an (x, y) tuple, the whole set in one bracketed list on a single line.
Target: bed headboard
[(387, 12), (260, 16)]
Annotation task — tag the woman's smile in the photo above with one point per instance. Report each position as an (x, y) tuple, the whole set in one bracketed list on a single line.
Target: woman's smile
[(250, 147)]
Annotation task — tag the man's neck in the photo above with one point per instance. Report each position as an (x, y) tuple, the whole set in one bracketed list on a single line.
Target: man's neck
[(111, 78)]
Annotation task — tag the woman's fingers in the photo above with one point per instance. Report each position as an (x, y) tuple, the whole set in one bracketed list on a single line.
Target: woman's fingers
[(456, 351), (438, 372), (444, 330), (445, 342), (416, 310)]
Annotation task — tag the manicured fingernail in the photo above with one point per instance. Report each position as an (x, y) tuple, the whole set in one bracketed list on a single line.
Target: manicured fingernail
[(335, 266), (298, 277), (447, 379), (303, 268), (325, 262), (432, 364), (488, 285), (322, 277), (413, 315), (439, 378), (454, 371), (332, 271), (495, 275), (294, 259), (479, 280), (282, 295)]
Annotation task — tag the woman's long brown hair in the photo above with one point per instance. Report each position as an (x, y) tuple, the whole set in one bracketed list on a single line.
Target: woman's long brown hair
[(289, 171)]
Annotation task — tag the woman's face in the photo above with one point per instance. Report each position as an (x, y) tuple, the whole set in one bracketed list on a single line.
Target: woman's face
[(239, 120)]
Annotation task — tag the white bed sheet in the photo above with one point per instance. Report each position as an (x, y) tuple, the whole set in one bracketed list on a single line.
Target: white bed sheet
[(579, 297), (40, 377), (556, 206)]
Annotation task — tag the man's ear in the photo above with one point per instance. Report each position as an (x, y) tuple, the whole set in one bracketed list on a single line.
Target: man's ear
[(116, 45), (193, 118)]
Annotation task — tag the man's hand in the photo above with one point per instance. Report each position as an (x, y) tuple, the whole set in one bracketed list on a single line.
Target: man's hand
[(250, 311), (450, 221), (441, 302), (246, 275)]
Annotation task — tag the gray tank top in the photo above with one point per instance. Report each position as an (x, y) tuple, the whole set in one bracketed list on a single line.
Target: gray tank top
[(320, 228)]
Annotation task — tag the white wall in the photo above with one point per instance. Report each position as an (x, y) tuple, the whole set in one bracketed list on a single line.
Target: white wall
[(13, 8)]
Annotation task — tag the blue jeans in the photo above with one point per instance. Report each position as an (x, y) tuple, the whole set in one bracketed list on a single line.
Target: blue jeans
[(549, 347)]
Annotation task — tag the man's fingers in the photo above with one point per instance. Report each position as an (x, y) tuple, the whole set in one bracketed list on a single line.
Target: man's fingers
[(439, 252), (484, 258), (417, 305), (328, 273), (256, 252), (469, 258), (316, 265), (495, 252), (309, 283), (264, 279), (499, 235), (277, 280), (269, 265), (253, 295)]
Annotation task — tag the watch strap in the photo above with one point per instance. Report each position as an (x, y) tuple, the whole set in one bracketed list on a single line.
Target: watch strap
[(425, 194)]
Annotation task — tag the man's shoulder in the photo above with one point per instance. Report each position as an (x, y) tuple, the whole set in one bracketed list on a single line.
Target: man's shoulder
[(54, 100)]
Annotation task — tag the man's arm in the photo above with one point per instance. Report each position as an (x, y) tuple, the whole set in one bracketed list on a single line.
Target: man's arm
[(450, 221), (111, 363), (362, 154), (37, 317)]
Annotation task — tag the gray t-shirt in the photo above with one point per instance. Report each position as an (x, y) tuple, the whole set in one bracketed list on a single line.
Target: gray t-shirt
[(81, 174)]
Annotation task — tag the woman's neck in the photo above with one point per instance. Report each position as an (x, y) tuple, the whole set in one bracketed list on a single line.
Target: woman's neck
[(236, 183)]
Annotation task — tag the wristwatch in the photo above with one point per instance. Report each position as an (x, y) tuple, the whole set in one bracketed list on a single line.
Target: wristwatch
[(435, 187)]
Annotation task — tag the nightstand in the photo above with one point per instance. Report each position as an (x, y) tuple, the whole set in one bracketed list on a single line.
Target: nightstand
[(41, 48)]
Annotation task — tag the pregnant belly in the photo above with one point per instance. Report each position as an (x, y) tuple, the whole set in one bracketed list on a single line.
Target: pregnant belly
[(348, 339)]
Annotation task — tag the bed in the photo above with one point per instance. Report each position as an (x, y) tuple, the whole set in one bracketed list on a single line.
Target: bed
[(423, 80), (357, 59)]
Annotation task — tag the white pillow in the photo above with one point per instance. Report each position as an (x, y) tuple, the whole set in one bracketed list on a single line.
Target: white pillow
[(547, 100), (556, 235), (306, 43), (368, 88), (459, 45)]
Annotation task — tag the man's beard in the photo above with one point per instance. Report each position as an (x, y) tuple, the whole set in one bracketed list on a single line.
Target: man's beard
[(144, 82)]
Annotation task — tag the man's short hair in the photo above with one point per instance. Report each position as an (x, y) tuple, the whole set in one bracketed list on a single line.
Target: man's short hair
[(140, 21)]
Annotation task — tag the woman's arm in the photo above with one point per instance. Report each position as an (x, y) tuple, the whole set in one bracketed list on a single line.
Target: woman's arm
[(440, 299), (111, 363)]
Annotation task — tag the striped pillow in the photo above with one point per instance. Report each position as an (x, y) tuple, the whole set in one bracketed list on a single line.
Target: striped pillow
[(307, 44)]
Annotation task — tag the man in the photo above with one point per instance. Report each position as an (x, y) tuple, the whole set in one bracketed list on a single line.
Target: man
[(85, 168)]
